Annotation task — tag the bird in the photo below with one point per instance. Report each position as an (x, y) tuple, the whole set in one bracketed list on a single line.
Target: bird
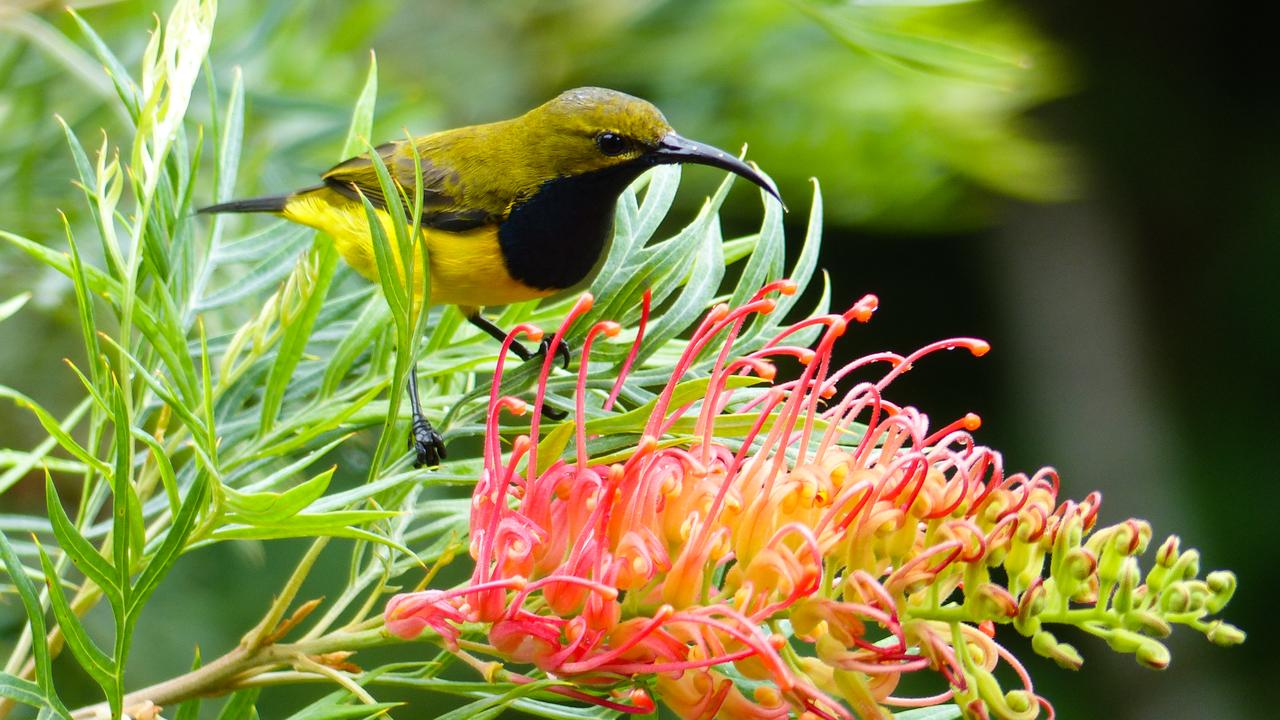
[(512, 210)]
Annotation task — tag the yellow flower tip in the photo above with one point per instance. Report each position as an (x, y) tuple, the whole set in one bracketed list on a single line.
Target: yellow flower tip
[(767, 695)]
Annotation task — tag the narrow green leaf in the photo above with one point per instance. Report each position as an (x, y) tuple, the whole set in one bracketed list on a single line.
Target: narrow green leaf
[(23, 691), (22, 463), (122, 494), (55, 430), (240, 705), (94, 661), (125, 87), (13, 305), (175, 541), (228, 164), (371, 322), (35, 617), (272, 507), (296, 335), (362, 117), (80, 551)]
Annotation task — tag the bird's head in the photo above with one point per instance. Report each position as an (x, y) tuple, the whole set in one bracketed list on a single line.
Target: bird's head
[(593, 129)]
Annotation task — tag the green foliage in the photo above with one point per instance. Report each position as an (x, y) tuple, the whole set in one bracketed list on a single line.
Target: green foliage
[(218, 370)]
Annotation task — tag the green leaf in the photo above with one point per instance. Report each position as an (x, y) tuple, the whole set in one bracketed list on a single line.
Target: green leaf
[(94, 661), (362, 117), (22, 463), (228, 164), (80, 551), (55, 430), (371, 322), (13, 305), (338, 706), (271, 507), (35, 617), (240, 705), (175, 541), (23, 691), (297, 333), (125, 87)]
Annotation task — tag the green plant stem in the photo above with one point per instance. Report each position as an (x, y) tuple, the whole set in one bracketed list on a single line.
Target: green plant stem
[(233, 669)]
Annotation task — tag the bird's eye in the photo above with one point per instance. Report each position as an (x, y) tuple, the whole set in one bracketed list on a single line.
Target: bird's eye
[(611, 144)]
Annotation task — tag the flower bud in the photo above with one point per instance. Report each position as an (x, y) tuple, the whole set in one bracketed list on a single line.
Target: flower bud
[(1224, 634), (1168, 553), (1175, 599), (1222, 585), (1046, 645), (1153, 654), (1148, 623), (1127, 581)]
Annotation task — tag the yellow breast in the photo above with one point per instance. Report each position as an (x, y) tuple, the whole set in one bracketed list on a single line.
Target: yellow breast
[(467, 267)]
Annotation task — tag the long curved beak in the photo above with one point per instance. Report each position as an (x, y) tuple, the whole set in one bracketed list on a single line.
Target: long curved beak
[(676, 149)]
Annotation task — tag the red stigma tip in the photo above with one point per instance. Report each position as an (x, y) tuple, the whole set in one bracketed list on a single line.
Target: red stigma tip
[(972, 421), (979, 348), (787, 287), (534, 334)]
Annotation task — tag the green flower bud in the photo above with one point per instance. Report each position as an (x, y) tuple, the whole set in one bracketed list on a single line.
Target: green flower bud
[(1127, 581), (1224, 634), (1046, 645), (1168, 553), (1188, 566), (1153, 654), (1148, 623), (1124, 641), (1222, 585), (1176, 599), (1077, 566)]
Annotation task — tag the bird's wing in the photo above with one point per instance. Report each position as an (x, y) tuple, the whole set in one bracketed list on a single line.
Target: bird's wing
[(443, 201)]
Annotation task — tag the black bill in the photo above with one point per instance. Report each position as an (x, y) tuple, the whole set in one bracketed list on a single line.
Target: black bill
[(676, 149)]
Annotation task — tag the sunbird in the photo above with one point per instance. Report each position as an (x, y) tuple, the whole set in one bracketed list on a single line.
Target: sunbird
[(512, 210)]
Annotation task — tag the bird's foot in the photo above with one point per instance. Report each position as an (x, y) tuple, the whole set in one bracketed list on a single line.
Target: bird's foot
[(426, 443), (562, 352)]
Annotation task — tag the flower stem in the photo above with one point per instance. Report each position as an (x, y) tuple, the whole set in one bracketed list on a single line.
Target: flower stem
[(228, 671)]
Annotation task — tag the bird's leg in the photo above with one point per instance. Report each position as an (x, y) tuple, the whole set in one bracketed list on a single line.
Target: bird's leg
[(426, 443), (522, 352)]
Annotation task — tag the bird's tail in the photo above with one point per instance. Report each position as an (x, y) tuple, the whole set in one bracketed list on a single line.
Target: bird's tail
[(271, 204)]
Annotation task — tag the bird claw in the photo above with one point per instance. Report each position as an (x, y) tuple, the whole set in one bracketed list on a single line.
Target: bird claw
[(562, 351), (426, 443)]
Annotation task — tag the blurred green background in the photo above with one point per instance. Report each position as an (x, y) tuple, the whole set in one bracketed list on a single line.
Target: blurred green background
[(1086, 185)]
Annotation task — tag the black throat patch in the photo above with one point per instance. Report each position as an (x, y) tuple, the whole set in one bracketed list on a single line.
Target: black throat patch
[(553, 239)]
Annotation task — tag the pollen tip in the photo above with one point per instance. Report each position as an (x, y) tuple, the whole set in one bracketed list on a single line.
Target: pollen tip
[(610, 328), (972, 421), (979, 348), (788, 287)]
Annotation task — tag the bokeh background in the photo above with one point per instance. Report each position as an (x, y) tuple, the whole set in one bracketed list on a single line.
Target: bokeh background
[(1088, 185)]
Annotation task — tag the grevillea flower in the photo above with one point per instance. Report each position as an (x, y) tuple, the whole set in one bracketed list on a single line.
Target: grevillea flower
[(792, 548)]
